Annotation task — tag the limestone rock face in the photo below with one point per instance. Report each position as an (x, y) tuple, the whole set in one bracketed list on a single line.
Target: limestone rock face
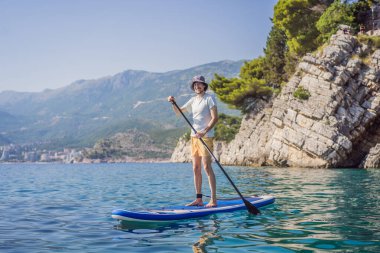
[(181, 153), (372, 160), (250, 145), (335, 127)]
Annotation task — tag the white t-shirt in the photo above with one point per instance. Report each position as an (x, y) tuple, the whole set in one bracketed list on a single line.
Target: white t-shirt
[(201, 110)]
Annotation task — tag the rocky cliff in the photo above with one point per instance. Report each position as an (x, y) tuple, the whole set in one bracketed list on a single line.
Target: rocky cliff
[(336, 126), (130, 146)]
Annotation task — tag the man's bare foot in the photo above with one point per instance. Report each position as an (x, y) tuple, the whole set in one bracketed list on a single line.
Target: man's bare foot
[(212, 203), (197, 202)]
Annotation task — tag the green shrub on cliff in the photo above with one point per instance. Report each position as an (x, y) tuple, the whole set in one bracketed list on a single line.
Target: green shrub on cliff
[(187, 135), (225, 130), (372, 41), (227, 127), (301, 93)]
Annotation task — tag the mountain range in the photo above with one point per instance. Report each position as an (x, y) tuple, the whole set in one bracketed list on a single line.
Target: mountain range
[(85, 111)]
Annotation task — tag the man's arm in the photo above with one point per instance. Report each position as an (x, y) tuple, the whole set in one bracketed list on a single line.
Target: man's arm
[(171, 99)]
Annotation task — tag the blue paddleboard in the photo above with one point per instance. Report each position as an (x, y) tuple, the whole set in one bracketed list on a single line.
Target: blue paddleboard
[(186, 212)]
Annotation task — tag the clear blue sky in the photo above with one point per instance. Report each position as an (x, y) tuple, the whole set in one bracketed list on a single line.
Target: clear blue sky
[(52, 43)]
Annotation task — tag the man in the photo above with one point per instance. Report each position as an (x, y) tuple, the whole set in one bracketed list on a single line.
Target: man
[(205, 115)]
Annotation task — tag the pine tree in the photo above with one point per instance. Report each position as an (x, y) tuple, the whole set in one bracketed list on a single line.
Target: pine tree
[(297, 19), (238, 92), (275, 53), (338, 13)]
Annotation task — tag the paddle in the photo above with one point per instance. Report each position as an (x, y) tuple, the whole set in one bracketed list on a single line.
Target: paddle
[(251, 208)]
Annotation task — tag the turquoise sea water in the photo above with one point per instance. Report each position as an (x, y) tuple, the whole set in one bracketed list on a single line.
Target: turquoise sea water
[(66, 208)]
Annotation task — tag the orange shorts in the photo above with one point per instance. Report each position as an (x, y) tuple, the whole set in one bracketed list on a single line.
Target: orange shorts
[(197, 147)]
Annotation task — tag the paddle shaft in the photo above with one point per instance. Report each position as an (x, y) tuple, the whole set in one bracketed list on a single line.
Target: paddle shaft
[(251, 208)]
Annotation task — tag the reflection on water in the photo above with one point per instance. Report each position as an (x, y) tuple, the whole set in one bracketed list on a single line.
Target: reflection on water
[(208, 228), (209, 234), (63, 208)]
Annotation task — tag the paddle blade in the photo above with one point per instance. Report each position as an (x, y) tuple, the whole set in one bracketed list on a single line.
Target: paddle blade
[(251, 208)]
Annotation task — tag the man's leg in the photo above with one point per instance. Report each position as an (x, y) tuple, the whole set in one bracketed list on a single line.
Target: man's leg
[(197, 170), (211, 180)]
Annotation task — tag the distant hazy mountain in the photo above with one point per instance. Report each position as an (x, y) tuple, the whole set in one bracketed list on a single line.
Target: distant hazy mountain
[(87, 110)]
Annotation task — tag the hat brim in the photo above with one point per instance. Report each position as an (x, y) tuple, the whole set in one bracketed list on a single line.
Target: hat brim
[(198, 82)]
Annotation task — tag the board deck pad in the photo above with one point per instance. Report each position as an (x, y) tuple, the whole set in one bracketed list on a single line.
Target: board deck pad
[(186, 212)]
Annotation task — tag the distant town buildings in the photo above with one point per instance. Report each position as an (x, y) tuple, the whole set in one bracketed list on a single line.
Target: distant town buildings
[(30, 153)]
